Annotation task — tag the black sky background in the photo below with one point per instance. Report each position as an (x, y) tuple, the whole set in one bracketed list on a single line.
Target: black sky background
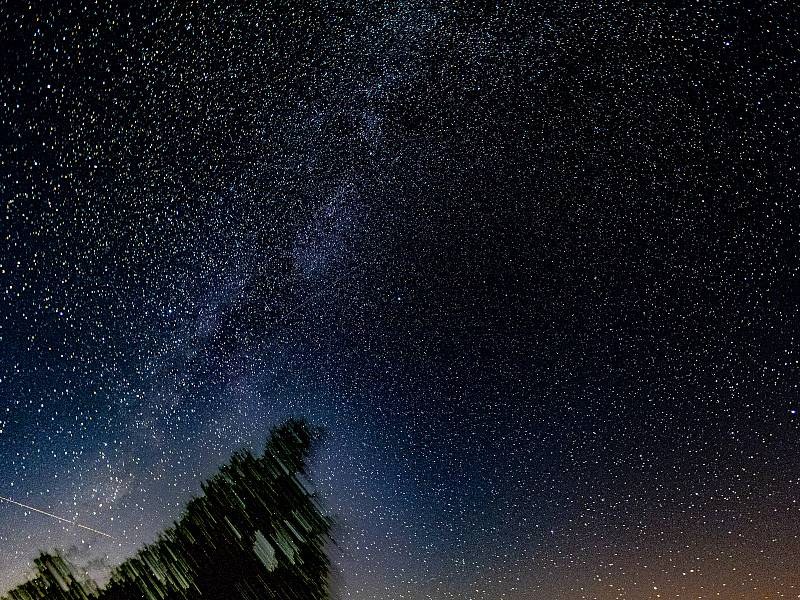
[(533, 266)]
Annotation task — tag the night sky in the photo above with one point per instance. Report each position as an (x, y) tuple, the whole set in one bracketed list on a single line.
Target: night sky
[(533, 267)]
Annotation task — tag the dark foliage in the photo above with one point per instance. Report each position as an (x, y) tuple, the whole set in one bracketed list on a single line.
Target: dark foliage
[(256, 532)]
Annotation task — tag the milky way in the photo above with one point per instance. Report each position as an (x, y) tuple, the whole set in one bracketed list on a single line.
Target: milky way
[(533, 267)]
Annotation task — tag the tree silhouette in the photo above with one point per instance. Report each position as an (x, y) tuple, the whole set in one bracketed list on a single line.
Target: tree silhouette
[(56, 579), (256, 532)]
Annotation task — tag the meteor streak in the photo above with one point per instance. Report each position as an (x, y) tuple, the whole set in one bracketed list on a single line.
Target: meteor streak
[(55, 516)]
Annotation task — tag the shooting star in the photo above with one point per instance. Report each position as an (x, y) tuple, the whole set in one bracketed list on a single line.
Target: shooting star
[(55, 516)]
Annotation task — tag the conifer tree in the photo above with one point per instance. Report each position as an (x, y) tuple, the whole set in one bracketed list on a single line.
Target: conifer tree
[(256, 532)]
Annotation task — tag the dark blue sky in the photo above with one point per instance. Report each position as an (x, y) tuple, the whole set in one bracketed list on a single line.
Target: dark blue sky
[(533, 267)]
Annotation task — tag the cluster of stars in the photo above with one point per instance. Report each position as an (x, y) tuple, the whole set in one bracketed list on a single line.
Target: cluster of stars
[(535, 268)]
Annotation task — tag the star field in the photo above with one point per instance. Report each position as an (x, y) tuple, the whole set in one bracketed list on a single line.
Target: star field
[(533, 267)]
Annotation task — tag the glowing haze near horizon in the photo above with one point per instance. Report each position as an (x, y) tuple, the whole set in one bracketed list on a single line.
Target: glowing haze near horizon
[(534, 267)]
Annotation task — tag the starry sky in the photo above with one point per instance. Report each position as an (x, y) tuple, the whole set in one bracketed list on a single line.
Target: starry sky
[(534, 267)]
